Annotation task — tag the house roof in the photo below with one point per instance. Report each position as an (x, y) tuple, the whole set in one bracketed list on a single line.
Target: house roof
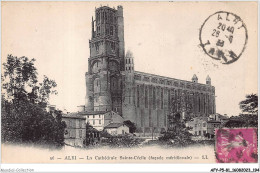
[(111, 114), (98, 113), (223, 117), (91, 129), (113, 125), (93, 112), (73, 115)]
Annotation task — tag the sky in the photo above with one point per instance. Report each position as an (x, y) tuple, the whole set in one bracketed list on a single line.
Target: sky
[(163, 36)]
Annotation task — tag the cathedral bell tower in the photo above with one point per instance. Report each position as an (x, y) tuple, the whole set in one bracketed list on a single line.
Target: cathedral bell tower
[(103, 79)]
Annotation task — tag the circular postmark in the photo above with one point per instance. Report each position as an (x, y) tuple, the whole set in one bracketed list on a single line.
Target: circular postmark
[(223, 36)]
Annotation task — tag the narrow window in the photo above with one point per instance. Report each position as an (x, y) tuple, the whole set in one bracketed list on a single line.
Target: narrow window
[(154, 99), (162, 98), (79, 124), (80, 133), (111, 30), (204, 132), (169, 99), (146, 97), (199, 103), (138, 96)]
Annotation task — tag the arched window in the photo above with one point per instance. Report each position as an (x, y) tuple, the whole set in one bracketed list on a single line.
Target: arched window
[(96, 67), (97, 85)]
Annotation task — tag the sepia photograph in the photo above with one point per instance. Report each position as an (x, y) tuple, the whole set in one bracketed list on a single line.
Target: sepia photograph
[(129, 82)]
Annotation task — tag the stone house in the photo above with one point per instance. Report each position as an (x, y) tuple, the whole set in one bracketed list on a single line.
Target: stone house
[(75, 132), (199, 126), (117, 129), (218, 117), (100, 119), (212, 125), (203, 126)]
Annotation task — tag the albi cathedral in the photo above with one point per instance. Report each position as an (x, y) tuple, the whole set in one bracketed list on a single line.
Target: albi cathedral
[(145, 99)]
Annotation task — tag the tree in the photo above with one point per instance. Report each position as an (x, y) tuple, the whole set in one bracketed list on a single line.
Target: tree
[(24, 117), (19, 74), (250, 104), (20, 82), (131, 125), (178, 133), (243, 120)]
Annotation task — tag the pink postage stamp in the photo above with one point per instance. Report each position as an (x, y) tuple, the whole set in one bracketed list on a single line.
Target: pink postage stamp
[(236, 145)]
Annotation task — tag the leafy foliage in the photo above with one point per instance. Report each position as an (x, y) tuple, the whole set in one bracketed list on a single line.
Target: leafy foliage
[(24, 118), (250, 104), (178, 134), (122, 141), (243, 120), (131, 125), (28, 123), (20, 82)]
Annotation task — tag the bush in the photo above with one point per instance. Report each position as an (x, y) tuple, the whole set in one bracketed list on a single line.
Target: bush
[(122, 141), (179, 135), (29, 123)]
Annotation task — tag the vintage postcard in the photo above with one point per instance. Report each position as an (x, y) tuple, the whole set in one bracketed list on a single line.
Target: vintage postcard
[(129, 82)]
